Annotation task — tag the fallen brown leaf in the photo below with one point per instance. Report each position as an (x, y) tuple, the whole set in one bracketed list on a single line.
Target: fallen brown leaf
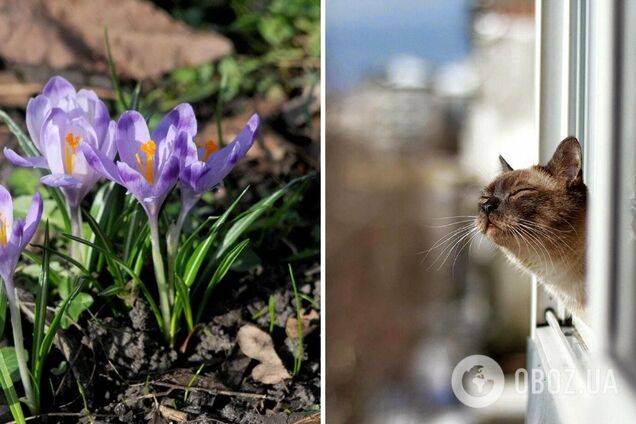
[(270, 373), (257, 344), (309, 324)]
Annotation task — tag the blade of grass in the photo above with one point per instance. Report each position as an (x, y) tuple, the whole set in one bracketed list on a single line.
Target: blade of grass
[(121, 102), (40, 312), (134, 101), (217, 224), (222, 269), (192, 268), (55, 277), (272, 313), (45, 347), (10, 393), (129, 271), (103, 242), (191, 382), (298, 355), (245, 221)]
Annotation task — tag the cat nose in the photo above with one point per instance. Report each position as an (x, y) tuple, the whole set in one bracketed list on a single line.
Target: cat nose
[(490, 205)]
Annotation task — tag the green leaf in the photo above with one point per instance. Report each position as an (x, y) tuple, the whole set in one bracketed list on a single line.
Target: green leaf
[(224, 266), (41, 299), (11, 360), (121, 102), (298, 352), (275, 29), (24, 181), (45, 347), (9, 390), (248, 261), (103, 241), (126, 268), (192, 268), (111, 290), (184, 248), (245, 221), (79, 304)]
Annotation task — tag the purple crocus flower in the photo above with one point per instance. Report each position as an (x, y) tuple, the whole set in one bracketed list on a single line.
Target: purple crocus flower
[(148, 165), (149, 169), (59, 121), (205, 167), (14, 236)]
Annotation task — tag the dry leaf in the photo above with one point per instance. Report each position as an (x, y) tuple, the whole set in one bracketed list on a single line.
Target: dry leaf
[(270, 373), (145, 41), (257, 344), (172, 414), (308, 324)]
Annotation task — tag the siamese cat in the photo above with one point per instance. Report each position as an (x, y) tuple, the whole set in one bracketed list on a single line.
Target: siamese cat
[(536, 216)]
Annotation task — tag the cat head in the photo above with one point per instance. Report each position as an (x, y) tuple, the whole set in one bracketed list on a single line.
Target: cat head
[(536, 203)]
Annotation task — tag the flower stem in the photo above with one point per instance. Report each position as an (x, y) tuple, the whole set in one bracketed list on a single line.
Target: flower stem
[(160, 275), (188, 200), (76, 230), (18, 341)]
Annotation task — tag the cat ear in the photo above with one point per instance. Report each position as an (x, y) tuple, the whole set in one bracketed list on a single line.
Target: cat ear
[(566, 162), (505, 166)]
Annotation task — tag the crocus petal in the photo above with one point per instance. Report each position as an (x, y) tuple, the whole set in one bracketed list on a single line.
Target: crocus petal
[(185, 148), (132, 131), (13, 249), (218, 166), (60, 180), (6, 208), (95, 110), (181, 117), (57, 88), (248, 134), (25, 162), (221, 163), (108, 146), (133, 181), (192, 173), (168, 177), (101, 163), (32, 219), (52, 138), (37, 111)]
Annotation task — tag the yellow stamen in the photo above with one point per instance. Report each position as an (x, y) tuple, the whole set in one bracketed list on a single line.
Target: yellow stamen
[(72, 141), (210, 147), (3, 231), (148, 148)]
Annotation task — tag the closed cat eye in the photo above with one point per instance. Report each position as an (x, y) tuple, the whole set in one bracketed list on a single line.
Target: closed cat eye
[(523, 190)]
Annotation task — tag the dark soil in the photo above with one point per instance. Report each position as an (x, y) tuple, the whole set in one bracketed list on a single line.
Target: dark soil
[(129, 376)]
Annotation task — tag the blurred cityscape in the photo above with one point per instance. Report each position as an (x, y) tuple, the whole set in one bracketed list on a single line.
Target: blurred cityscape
[(421, 99)]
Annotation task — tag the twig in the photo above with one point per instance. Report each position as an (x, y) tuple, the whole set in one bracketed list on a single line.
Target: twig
[(209, 391)]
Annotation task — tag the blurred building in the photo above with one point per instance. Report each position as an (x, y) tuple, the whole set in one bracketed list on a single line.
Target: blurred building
[(408, 150)]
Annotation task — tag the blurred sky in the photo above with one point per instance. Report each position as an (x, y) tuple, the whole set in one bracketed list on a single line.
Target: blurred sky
[(361, 35)]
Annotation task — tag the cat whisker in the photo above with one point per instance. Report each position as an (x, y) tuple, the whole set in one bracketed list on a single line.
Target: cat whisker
[(467, 235), (451, 224), (552, 238), (449, 245), (447, 237), (469, 243)]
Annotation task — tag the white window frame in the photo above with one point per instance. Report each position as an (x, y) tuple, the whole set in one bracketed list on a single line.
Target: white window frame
[(578, 56)]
